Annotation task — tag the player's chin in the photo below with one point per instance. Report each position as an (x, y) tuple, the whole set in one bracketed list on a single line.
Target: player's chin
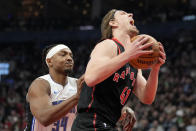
[(134, 31), (68, 70)]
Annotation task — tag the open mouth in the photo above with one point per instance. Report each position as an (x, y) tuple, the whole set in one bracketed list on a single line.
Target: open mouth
[(132, 22)]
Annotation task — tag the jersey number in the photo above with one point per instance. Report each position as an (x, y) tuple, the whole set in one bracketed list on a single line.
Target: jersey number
[(124, 95), (60, 123)]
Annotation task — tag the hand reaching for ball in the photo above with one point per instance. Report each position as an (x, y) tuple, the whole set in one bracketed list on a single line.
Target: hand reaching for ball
[(138, 47), (146, 60), (162, 56)]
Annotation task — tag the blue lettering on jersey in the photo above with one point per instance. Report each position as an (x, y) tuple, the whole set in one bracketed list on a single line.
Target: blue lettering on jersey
[(73, 110), (56, 92), (62, 123), (56, 102), (56, 124)]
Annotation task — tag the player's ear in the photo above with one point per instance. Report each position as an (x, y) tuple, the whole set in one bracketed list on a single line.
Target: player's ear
[(113, 23), (49, 62)]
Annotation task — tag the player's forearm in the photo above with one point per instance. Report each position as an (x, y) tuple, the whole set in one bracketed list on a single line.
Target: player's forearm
[(101, 71), (55, 112), (151, 86)]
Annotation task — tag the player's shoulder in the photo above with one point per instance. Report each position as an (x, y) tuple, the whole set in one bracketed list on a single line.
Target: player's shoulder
[(37, 88), (72, 81), (46, 77), (42, 79), (39, 83), (72, 78), (108, 46), (107, 42)]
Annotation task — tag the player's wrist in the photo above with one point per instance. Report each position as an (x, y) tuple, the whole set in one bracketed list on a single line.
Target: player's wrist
[(156, 67), (76, 97)]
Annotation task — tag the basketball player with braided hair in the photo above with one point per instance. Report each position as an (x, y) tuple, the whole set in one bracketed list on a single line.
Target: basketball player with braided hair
[(110, 80), (52, 98)]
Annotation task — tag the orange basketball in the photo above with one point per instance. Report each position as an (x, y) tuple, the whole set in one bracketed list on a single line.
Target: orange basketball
[(146, 61)]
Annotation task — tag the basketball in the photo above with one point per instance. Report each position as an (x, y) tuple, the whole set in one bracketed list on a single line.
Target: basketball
[(146, 61)]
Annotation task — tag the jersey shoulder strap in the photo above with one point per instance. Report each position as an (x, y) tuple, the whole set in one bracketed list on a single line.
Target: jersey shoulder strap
[(120, 47)]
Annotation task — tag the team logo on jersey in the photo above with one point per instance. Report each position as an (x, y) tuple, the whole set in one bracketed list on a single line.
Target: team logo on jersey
[(124, 95), (56, 92), (126, 91), (124, 74)]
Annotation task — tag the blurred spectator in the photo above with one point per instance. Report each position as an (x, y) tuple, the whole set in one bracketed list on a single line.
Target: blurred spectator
[(192, 126), (174, 108), (49, 15)]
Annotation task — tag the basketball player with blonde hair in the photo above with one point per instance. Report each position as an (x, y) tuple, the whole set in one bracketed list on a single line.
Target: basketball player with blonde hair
[(110, 79), (53, 97)]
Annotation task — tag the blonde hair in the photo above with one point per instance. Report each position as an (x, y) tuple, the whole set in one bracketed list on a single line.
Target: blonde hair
[(106, 29)]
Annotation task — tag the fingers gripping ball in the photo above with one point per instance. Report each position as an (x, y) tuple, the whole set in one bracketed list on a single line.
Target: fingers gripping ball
[(146, 61)]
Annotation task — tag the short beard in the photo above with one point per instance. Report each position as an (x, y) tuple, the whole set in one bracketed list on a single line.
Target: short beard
[(134, 33), (68, 71)]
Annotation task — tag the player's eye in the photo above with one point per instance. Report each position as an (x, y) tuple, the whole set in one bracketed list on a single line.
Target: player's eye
[(123, 13), (62, 54)]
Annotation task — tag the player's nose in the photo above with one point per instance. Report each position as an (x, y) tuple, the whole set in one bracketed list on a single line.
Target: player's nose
[(130, 14), (69, 59)]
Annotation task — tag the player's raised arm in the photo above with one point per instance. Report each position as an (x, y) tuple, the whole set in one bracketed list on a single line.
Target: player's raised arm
[(105, 61)]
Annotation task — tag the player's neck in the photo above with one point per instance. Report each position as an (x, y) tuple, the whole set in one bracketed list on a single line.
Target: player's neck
[(59, 78), (122, 37)]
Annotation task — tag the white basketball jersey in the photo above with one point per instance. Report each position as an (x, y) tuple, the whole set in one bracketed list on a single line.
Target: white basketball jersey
[(58, 94)]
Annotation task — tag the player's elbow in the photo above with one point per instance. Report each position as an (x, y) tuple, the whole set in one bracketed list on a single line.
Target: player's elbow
[(44, 121), (90, 80), (148, 101)]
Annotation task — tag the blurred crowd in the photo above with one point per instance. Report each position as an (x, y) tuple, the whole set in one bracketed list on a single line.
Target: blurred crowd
[(174, 108), (40, 15)]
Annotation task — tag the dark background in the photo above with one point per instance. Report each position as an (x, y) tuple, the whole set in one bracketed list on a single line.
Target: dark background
[(27, 26)]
